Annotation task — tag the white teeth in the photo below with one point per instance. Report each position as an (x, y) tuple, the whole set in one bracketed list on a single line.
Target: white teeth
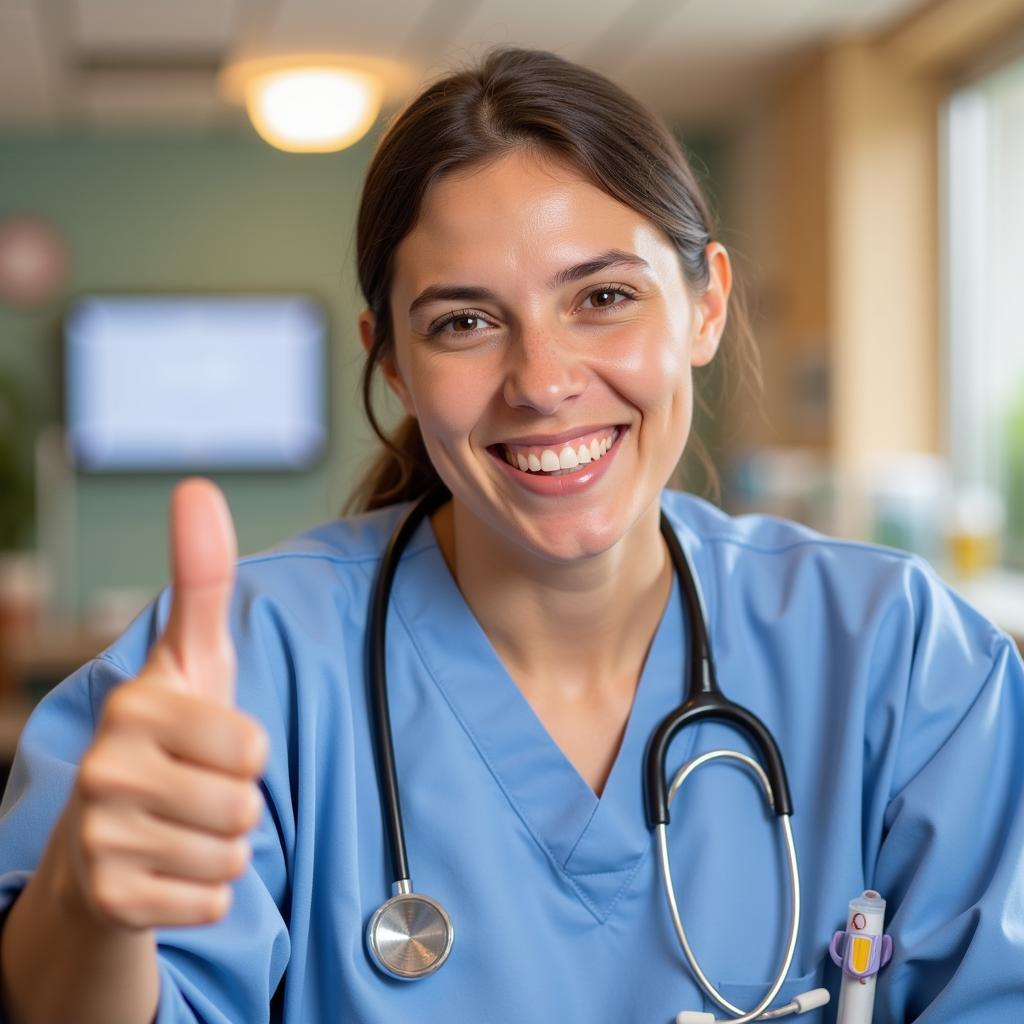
[(550, 461)]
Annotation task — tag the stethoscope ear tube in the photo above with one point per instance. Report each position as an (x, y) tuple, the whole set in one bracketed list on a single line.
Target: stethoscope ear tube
[(703, 700)]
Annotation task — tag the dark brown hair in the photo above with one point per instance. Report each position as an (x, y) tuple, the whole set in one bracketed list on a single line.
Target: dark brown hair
[(514, 99)]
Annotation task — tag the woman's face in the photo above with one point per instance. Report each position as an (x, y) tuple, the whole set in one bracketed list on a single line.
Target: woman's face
[(537, 321)]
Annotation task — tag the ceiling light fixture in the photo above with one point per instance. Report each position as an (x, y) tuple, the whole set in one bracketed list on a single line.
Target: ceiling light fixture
[(313, 103)]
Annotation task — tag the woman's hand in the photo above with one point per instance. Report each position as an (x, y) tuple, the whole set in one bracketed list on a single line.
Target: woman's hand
[(156, 825)]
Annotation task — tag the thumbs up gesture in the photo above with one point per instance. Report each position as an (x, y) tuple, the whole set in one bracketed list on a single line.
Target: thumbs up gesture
[(156, 825)]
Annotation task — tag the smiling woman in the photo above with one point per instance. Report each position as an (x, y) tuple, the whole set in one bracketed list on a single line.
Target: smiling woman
[(573, 122), (536, 366), (514, 655)]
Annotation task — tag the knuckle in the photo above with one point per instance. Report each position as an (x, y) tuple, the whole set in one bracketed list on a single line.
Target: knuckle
[(255, 798), (241, 812), (95, 774), (248, 743), (93, 834), (123, 706), (104, 774), (236, 858), (255, 747), (216, 903), (108, 896)]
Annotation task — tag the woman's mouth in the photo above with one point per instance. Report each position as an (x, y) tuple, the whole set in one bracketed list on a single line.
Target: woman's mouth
[(562, 459)]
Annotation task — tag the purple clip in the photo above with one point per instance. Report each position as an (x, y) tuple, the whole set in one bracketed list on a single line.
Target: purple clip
[(879, 956)]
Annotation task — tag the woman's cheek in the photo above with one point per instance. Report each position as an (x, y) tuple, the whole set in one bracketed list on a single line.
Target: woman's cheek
[(448, 412), (650, 375)]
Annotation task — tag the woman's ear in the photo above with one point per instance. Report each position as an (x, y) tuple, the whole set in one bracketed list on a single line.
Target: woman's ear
[(712, 306), (367, 323)]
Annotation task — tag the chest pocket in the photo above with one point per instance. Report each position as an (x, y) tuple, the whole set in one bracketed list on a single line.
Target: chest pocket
[(746, 995)]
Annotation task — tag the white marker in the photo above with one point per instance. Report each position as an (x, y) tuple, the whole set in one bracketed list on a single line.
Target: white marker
[(861, 951)]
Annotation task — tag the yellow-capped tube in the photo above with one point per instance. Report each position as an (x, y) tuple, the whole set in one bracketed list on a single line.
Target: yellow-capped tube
[(861, 951)]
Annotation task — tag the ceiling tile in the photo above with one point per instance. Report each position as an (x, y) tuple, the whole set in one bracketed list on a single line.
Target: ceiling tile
[(380, 28), (152, 26), (147, 102), (687, 58), (566, 27), (836, 18), (26, 86)]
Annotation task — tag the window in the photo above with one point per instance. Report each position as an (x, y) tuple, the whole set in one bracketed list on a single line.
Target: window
[(983, 195)]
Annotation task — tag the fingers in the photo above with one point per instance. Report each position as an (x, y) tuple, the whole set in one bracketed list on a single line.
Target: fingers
[(136, 870), (157, 839), (141, 842), (138, 899), (174, 791), (187, 727), (203, 555), (168, 790)]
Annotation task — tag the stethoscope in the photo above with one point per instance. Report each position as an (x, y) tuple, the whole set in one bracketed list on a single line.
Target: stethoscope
[(411, 935)]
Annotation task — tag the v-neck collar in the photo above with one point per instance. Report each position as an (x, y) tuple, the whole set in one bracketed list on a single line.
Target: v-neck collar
[(597, 843)]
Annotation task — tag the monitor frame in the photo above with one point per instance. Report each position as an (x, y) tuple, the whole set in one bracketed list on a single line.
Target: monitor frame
[(199, 469)]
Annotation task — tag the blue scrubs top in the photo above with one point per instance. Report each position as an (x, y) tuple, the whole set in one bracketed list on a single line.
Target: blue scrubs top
[(898, 707)]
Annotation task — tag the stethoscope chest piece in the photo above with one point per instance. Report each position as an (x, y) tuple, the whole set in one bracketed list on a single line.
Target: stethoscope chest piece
[(410, 936)]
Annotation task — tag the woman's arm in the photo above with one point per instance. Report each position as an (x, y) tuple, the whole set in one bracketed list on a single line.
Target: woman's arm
[(951, 859), (220, 972), (164, 797), (150, 836), (58, 962)]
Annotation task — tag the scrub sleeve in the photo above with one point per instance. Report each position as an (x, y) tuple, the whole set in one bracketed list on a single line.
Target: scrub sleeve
[(948, 746), (214, 976)]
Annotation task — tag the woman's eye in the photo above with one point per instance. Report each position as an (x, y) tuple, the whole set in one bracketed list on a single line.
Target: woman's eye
[(604, 298), (465, 321), (461, 323), (464, 324)]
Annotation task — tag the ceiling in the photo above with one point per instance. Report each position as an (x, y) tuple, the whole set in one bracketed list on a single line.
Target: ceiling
[(152, 64)]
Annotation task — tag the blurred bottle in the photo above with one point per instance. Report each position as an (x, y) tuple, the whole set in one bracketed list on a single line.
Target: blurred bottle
[(908, 495), (974, 531), (24, 589), (795, 483)]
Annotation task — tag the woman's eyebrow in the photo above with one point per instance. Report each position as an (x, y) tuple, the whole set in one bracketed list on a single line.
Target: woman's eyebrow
[(474, 293)]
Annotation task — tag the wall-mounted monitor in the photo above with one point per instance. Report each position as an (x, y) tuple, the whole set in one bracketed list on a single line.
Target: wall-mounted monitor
[(195, 383)]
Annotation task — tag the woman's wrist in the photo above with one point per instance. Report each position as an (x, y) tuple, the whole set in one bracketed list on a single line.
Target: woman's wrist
[(62, 961)]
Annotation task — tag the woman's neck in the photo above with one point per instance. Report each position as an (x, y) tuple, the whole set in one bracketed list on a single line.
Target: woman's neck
[(563, 630)]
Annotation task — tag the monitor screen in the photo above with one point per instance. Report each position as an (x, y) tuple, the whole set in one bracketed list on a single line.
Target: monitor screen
[(183, 383)]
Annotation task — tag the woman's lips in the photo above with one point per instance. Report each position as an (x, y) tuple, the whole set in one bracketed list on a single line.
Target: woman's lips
[(561, 482), (576, 451)]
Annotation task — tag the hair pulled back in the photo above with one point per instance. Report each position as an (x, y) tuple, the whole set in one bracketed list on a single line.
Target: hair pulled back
[(513, 99)]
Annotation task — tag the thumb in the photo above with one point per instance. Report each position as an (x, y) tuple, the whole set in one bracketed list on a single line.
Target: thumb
[(203, 555)]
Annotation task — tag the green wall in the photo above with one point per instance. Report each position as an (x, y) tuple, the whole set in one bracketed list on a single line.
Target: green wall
[(188, 213), (198, 213)]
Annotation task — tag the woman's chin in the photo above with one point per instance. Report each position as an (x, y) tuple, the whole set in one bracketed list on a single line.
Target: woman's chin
[(570, 541)]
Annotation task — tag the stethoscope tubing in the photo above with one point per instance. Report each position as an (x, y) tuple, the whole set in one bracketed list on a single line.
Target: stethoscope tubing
[(740, 1016), (387, 774), (703, 700)]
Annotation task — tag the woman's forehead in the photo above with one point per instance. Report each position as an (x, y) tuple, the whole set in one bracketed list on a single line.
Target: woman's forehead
[(518, 215)]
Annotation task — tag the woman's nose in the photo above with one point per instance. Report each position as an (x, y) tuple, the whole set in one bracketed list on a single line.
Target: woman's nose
[(541, 373)]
